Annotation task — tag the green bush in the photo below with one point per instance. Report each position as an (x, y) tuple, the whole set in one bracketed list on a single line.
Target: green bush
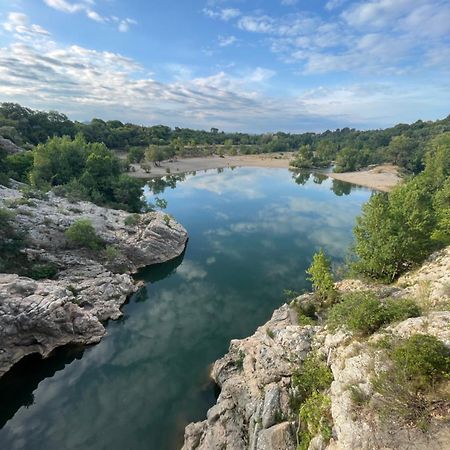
[(82, 233), (360, 312), (11, 241), (401, 309), (39, 271), (306, 313), (313, 376), (423, 359), (321, 277), (410, 388), (112, 253), (315, 417), (166, 219), (132, 220)]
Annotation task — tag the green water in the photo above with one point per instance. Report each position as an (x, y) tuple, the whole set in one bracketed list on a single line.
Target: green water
[(252, 234)]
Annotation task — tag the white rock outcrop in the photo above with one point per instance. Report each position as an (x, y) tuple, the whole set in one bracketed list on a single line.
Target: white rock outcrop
[(38, 316)]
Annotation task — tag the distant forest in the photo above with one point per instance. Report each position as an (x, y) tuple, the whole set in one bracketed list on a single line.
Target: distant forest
[(350, 149)]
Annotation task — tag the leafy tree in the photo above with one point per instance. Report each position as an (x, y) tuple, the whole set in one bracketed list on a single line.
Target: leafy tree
[(127, 192), (441, 204), (136, 154), (304, 159), (19, 166), (400, 150), (394, 232), (155, 155), (321, 277), (58, 161)]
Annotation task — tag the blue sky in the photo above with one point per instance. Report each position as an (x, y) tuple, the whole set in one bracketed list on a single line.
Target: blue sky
[(239, 65)]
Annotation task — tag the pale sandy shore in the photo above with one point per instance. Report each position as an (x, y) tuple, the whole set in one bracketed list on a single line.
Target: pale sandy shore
[(185, 165), (381, 178)]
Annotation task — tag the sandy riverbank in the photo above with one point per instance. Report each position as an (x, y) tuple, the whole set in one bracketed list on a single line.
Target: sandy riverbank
[(185, 165), (381, 178)]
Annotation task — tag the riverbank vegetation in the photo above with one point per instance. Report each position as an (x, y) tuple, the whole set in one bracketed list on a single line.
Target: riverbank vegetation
[(397, 231), (403, 145)]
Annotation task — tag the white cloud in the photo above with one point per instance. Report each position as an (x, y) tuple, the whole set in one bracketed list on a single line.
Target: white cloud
[(225, 14), (225, 41), (41, 73), (334, 4), (123, 25), (18, 24), (378, 13), (65, 6)]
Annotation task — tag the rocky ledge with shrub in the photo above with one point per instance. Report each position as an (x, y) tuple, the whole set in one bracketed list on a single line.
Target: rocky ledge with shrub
[(70, 282), (369, 371)]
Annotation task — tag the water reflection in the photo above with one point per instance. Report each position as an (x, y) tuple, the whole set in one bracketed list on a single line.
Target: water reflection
[(17, 386), (341, 187), (252, 234)]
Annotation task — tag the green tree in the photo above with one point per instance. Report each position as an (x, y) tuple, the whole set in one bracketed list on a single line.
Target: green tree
[(19, 166), (321, 277), (127, 193), (394, 232), (304, 158), (155, 155)]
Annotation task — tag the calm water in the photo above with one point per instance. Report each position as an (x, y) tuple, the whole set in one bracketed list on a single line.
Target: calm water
[(252, 234)]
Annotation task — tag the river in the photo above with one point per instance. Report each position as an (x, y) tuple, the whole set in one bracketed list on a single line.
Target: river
[(253, 232)]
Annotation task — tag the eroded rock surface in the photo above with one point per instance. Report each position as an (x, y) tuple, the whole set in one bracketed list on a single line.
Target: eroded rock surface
[(38, 316)]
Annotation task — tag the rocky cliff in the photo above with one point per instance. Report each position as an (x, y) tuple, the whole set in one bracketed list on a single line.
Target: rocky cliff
[(254, 409), (89, 287)]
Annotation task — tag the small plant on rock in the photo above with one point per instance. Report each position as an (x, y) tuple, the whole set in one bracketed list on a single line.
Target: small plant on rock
[(82, 233), (321, 278)]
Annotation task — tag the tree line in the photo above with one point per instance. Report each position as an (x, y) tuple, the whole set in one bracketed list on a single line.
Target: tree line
[(351, 149)]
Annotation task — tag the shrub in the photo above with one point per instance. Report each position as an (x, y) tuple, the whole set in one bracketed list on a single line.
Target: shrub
[(360, 312), (423, 359), (315, 417), (83, 234), (132, 220), (239, 363), (112, 253), (39, 271), (409, 388), (306, 313), (313, 376), (321, 277), (401, 309), (11, 241), (166, 219)]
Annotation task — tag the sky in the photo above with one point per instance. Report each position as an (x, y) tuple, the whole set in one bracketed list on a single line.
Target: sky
[(238, 65)]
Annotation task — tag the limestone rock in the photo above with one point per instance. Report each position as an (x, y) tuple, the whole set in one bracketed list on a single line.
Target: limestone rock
[(38, 316), (254, 377)]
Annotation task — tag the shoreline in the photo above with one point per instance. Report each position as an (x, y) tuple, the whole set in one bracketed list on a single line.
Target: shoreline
[(380, 178)]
